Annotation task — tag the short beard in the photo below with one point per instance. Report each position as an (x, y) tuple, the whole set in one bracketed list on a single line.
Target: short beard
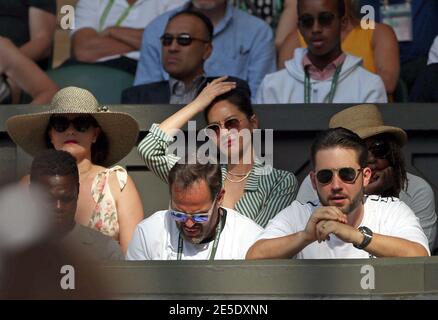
[(355, 203), (192, 240)]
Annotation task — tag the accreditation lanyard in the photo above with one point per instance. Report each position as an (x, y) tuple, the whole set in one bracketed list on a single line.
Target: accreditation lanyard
[(219, 228), (105, 13), (307, 85)]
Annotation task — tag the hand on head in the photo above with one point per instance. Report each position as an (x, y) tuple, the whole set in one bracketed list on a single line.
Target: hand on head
[(212, 90)]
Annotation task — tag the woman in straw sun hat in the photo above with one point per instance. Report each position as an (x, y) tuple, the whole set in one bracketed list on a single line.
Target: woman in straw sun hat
[(108, 199)]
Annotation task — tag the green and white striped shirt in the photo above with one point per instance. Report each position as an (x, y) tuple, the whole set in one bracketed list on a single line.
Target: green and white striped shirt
[(264, 195)]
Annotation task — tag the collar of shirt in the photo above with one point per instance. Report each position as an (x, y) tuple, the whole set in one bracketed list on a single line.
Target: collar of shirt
[(327, 72), (178, 87), (229, 13)]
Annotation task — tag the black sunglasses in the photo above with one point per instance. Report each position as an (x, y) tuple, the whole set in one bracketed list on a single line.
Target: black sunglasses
[(81, 123), (380, 149), (229, 124), (347, 175), (183, 39), (325, 19)]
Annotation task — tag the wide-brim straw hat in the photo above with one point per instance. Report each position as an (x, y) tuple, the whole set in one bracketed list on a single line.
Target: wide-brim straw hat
[(121, 130), (366, 121)]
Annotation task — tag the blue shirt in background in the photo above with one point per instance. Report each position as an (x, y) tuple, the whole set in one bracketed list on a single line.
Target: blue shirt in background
[(243, 47)]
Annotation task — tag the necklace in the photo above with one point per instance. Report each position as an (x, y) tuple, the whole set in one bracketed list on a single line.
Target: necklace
[(239, 180)]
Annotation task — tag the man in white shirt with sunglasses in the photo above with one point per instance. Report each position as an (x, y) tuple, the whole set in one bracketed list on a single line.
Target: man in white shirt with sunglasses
[(195, 227), (346, 223)]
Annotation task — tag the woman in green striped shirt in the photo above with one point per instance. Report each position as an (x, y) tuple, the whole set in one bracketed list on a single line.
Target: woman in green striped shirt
[(249, 188)]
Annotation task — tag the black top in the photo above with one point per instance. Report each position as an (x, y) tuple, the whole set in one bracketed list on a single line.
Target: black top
[(14, 18), (426, 85), (159, 92)]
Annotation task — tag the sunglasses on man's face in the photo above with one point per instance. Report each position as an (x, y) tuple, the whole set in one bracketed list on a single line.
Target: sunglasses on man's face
[(325, 19), (183, 39), (80, 124), (347, 175), (229, 124), (196, 217), (380, 149)]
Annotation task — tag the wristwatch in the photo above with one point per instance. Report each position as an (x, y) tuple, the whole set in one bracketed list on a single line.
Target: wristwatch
[(368, 236)]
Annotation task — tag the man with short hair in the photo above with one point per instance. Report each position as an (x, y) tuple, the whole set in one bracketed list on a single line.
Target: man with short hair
[(243, 45), (322, 73), (196, 226), (57, 173), (346, 223), (385, 158)]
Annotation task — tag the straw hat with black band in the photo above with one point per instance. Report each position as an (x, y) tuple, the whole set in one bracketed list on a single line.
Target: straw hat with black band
[(121, 129), (366, 121)]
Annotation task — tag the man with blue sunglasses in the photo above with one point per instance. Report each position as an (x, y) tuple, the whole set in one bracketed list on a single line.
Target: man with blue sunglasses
[(196, 226)]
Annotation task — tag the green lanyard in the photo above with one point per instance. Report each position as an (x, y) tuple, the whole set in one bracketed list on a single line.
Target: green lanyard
[(219, 228), (307, 85), (122, 17)]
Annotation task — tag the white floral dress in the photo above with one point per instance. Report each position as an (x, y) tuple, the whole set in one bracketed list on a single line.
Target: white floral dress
[(104, 217)]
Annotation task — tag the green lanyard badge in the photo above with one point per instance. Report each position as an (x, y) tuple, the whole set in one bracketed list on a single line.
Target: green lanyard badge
[(105, 13), (220, 226), (307, 86)]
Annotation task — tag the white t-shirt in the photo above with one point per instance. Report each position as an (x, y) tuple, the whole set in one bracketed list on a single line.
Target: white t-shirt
[(419, 197), (89, 12), (385, 216), (156, 238)]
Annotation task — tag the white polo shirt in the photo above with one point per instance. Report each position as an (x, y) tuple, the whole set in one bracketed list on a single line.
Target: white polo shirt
[(385, 216), (156, 238), (88, 14)]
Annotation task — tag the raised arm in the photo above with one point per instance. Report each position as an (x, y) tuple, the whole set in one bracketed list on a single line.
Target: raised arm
[(207, 95)]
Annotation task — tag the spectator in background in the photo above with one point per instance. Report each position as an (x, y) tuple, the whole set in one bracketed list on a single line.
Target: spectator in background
[(185, 45), (97, 138), (413, 53), (322, 73), (109, 32), (280, 14), (378, 48), (243, 45), (19, 73), (56, 173), (196, 226), (385, 159), (30, 25), (346, 223)]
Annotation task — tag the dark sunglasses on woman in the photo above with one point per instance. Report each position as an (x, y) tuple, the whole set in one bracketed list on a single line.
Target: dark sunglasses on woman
[(80, 123), (347, 175)]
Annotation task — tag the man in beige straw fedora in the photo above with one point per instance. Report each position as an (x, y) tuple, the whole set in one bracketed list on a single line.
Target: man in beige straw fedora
[(389, 177), (98, 138)]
